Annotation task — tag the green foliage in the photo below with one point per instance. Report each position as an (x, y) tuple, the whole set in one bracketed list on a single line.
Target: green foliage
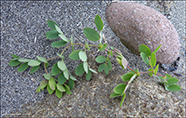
[(99, 22), (145, 58), (100, 59), (65, 80), (22, 67), (82, 56), (34, 63), (119, 89), (61, 65), (34, 69), (91, 34), (79, 69), (61, 79), (47, 76), (145, 49), (55, 70), (51, 24), (127, 77), (14, 63), (57, 44), (74, 55), (52, 34)]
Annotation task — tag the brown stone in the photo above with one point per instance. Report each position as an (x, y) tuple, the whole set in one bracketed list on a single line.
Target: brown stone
[(137, 24)]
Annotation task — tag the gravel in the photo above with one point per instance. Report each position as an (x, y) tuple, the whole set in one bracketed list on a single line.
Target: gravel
[(23, 23)]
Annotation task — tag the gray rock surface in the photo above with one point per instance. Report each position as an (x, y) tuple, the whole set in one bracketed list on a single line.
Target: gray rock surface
[(23, 22), (137, 24)]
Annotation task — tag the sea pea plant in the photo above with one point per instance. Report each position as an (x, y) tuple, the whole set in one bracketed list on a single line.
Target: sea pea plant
[(60, 80)]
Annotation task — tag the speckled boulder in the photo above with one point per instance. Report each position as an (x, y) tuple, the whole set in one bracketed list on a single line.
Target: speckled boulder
[(137, 24)]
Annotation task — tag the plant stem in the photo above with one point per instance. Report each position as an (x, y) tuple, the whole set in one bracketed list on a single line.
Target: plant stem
[(131, 69), (45, 69), (146, 72), (52, 58), (65, 49)]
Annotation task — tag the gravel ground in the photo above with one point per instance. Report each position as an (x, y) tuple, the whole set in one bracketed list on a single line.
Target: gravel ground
[(24, 22)]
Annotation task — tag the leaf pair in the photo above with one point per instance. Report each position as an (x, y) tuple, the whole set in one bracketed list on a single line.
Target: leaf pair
[(106, 66), (145, 53), (26, 63), (55, 33), (170, 83), (82, 68)]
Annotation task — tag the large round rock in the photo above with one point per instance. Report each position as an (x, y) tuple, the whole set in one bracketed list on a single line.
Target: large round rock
[(137, 24)]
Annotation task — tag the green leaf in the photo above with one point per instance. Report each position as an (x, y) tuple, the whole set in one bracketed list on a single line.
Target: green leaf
[(160, 78), (23, 60), (65, 73), (119, 89), (145, 49), (101, 67), (79, 69), (167, 76), (15, 56), (114, 95), (157, 49), (88, 75), (74, 55), (34, 63), (124, 62), (156, 69), (61, 79), (85, 66), (153, 59), (43, 84), (99, 22), (100, 59), (34, 69), (52, 83), (60, 87), (52, 34), (61, 65), (64, 38), (38, 90), (67, 89), (57, 44), (47, 76), (22, 67), (150, 73), (92, 70), (106, 69), (126, 77), (42, 59), (71, 84), (73, 78), (82, 56), (145, 58), (109, 65), (174, 88), (14, 63), (58, 29), (58, 93), (172, 81), (51, 24), (91, 34), (122, 99), (50, 91), (55, 70)]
